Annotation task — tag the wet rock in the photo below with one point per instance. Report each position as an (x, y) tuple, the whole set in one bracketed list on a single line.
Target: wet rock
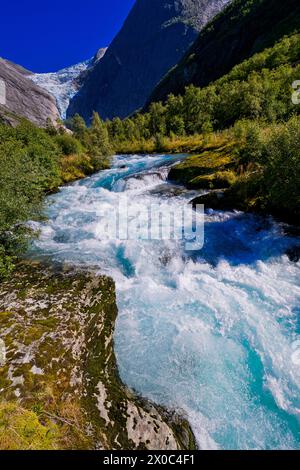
[(216, 200), (168, 190), (57, 326), (294, 254)]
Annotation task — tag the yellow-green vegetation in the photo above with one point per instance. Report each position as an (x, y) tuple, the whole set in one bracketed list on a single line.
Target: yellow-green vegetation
[(258, 88), (217, 180), (74, 167), (271, 158), (263, 174), (243, 129), (217, 156), (157, 144), (21, 429), (243, 28)]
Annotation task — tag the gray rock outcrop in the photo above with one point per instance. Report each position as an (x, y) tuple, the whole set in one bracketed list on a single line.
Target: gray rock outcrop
[(24, 99)]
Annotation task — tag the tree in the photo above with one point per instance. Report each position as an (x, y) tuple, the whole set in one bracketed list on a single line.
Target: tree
[(157, 119), (78, 126), (99, 146), (28, 167)]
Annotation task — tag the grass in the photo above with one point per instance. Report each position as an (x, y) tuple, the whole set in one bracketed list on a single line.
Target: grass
[(74, 167), (22, 429), (185, 144)]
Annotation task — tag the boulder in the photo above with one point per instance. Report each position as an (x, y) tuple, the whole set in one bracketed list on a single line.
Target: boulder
[(57, 328)]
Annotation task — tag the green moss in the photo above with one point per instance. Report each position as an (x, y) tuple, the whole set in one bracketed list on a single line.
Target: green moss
[(78, 384), (218, 180), (215, 157), (5, 318)]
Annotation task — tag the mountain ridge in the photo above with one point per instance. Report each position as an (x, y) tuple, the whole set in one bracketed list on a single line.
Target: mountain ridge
[(222, 44), (65, 83), (153, 38)]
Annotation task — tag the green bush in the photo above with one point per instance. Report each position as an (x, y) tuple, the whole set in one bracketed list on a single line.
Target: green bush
[(98, 143), (29, 166), (281, 161), (68, 144), (274, 154)]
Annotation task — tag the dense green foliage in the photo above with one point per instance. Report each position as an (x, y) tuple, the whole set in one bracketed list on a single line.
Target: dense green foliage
[(273, 158), (34, 161), (94, 139), (243, 28), (253, 101), (28, 167), (259, 88)]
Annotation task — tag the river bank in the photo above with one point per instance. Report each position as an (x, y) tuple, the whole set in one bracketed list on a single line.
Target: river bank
[(251, 167), (59, 385)]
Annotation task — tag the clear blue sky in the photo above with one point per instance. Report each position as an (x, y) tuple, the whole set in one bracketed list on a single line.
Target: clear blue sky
[(45, 36)]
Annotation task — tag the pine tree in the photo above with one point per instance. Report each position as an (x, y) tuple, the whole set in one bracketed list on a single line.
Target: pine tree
[(79, 128), (99, 145)]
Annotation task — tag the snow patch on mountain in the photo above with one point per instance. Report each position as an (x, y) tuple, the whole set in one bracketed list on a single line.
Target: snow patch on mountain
[(61, 84), (64, 84)]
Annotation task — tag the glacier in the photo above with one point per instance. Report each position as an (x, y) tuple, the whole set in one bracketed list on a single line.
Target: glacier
[(64, 84)]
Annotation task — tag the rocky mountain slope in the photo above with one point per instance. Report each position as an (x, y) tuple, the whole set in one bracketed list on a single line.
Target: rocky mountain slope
[(58, 373), (24, 98), (153, 39), (242, 29), (65, 83)]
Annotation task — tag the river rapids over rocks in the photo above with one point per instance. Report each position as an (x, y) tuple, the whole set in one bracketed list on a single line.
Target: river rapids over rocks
[(213, 333)]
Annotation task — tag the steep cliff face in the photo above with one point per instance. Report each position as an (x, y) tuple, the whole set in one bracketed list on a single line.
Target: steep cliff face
[(58, 369), (24, 98), (242, 29), (153, 39)]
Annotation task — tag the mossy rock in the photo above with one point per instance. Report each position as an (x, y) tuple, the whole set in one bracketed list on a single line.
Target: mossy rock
[(243, 195), (213, 160), (218, 180), (57, 325)]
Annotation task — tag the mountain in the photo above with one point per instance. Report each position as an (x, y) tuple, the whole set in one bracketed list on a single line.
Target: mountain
[(153, 39), (242, 29), (65, 83), (23, 98)]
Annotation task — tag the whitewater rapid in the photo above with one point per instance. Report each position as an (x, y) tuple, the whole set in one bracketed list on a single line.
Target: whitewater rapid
[(212, 333)]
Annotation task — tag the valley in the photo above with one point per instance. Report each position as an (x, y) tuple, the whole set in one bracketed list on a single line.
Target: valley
[(117, 330)]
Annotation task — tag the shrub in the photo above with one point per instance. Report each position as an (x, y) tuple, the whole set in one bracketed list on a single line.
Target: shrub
[(28, 167), (68, 144), (281, 161)]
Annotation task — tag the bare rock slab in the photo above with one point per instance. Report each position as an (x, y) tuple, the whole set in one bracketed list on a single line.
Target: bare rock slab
[(57, 326)]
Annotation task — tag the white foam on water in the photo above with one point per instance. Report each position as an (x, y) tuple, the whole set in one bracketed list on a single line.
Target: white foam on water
[(209, 333)]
